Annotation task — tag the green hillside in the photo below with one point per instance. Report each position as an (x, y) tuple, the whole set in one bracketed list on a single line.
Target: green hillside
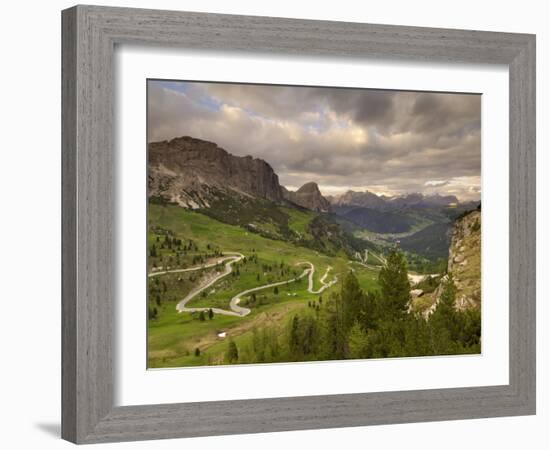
[(179, 238), (295, 224), (431, 242)]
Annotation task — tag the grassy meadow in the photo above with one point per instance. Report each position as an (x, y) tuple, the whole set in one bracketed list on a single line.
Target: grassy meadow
[(179, 238)]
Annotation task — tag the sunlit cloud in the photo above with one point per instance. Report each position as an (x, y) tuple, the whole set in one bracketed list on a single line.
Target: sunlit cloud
[(387, 142), (436, 183)]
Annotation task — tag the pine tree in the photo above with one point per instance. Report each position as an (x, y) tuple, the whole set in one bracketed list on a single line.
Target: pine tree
[(257, 346), (446, 306), (369, 314), (294, 338), (446, 323), (394, 285), (353, 300), (358, 342), (273, 342), (232, 354), (332, 342), (310, 335)]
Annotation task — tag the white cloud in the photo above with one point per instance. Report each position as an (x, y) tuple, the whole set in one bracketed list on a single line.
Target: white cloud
[(340, 138), (436, 183)]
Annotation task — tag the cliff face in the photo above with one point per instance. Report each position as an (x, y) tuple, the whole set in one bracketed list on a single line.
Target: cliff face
[(465, 260), (464, 264), (189, 171), (309, 196)]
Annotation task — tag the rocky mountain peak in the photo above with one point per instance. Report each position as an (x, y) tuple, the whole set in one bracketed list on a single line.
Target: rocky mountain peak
[(309, 188), (189, 171), (364, 199), (309, 196), (417, 199)]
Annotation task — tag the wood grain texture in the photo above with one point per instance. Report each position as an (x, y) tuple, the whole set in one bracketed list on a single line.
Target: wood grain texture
[(522, 243), (68, 226), (89, 36)]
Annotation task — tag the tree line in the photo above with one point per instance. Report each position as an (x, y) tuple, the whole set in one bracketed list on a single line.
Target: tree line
[(354, 324)]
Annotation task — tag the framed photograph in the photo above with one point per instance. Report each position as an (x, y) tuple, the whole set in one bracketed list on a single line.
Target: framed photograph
[(277, 224)]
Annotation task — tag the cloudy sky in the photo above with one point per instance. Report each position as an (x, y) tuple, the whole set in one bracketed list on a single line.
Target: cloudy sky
[(389, 142)]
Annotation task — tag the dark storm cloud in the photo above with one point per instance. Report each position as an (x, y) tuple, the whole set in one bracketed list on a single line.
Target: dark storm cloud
[(387, 141), (365, 106), (374, 107), (446, 113)]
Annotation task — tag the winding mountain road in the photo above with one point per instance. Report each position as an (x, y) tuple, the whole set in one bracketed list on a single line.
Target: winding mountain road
[(368, 266), (180, 307), (236, 310), (203, 266), (322, 280), (234, 303)]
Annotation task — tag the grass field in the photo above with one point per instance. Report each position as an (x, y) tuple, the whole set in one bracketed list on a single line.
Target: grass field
[(183, 339), (298, 220)]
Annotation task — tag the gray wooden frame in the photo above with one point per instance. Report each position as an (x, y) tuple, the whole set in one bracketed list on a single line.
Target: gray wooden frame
[(89, 37)]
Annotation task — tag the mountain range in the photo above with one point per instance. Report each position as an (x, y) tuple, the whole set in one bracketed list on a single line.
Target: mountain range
[(243, 190), (192, 173), (189, 172), (369, 199)]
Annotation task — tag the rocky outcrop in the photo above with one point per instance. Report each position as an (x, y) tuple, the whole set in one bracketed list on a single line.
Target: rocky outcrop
[(465, 260), (464, 264), (190, 172), (309, 196)]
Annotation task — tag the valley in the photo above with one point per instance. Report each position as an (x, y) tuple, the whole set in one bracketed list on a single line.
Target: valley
[(243, 270)]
